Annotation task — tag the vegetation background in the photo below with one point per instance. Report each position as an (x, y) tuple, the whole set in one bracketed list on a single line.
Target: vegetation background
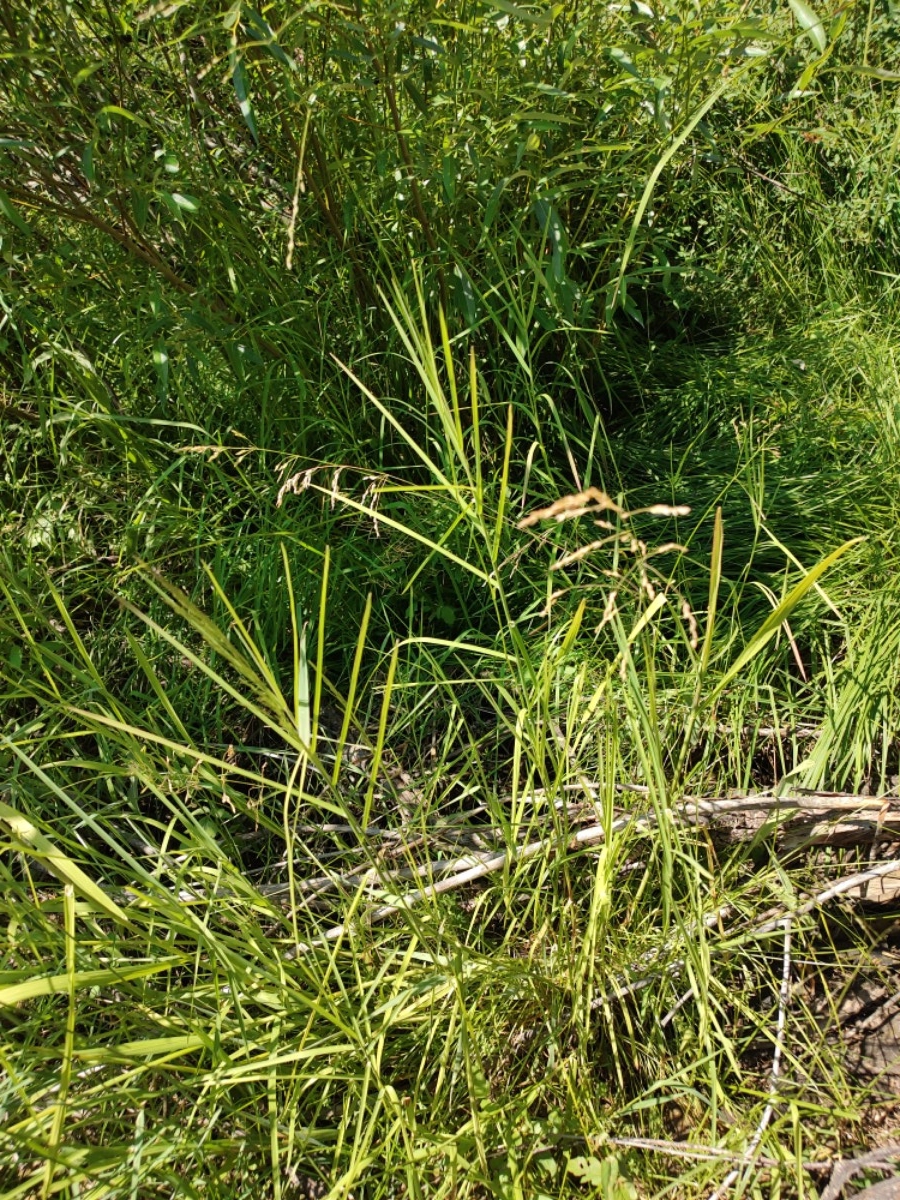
[(305, 309)]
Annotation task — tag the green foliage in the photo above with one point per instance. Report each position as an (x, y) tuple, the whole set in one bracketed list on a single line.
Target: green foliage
[(307, 314)]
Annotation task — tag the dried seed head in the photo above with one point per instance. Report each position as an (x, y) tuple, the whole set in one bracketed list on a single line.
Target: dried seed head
[(593, 500), (688, 614)]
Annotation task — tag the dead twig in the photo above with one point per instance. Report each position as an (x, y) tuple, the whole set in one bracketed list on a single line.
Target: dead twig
[(703, 1153), (784, 996), (844, 1171), (843, 887)]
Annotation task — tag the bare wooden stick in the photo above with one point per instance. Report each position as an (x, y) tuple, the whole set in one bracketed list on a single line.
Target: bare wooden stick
[(701, 1153), (844, 1171), (692, 810), (372, 876), (841, 888)]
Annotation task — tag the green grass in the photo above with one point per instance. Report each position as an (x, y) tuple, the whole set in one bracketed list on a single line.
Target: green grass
[(345, 798)]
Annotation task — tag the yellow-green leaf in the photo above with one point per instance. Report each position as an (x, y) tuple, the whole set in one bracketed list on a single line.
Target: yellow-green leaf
[(776, 619), (116, 110), (34, 842), (8, 209), (53, 985), (161, 1047)]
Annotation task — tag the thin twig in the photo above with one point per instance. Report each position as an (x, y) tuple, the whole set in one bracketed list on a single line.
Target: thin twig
[(844, 1171), (624, 990), (700, 1153), (830, 893), (299, 186), (368, 877), (784, 996)]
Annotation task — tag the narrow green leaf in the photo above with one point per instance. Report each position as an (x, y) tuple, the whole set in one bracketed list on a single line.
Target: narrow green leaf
[(53, 985), (304, 721), (617, 293), (117, 111), (715, 575), (878, 73), (810, 24), (34, 842), (86, 72), (500, 519), (416, 96), (263, 32), (241, 84), (320, 648), (7, 208), (776, 619), (161, 1047), (189, 203), (410, 532), (449, 170), (540, 17), (87, 163), (350, 702), (378, 748)]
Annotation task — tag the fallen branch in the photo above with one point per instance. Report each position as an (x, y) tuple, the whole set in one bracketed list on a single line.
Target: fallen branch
[(844, 1171), (692, 811), (784, 812)]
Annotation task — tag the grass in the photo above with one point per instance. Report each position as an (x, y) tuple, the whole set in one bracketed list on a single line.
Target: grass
[(439, 446)]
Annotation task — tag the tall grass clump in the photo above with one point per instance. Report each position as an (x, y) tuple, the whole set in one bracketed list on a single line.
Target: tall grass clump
[(448, 482)]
